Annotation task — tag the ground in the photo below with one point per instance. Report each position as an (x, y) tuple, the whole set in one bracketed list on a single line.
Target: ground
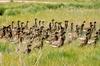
[(67, 55)]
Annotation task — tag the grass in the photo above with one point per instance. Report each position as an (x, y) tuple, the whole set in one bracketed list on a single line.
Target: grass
[(61, 0), (68, 55), (73, 15), (32, 8)]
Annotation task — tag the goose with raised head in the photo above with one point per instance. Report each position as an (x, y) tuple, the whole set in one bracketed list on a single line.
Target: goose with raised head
[(66, 25), (72, 27)]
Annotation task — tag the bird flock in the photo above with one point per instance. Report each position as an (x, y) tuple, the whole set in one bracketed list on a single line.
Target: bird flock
[(56, 34)]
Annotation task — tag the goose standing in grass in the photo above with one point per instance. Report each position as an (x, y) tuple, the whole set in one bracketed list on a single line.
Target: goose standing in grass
[(39, 43), (77, 30), (82, 28), (84, 40), (94, 26), (28, 49), (96, 38), (58, 42), (35, 22), (3, 32), (27, 25), (56, 33), (66, 25), (72, 27)]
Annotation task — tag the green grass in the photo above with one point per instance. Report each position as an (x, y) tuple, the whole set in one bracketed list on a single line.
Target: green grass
[(32, 8), (62, 0), (73, 15), (68, 55)]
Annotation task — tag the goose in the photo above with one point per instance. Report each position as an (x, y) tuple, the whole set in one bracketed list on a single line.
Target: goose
[(26, 26), (58, 43), (3, 33), (28, 49), (55, 26), (94, 26), (18, 24), (55, 33), (94, 40), (77, 30), (96, 37), (39, 23), (66, 25), (10, 31), (12, 25), (52, 38), (59, 26), (91, 41), (35, 22), (91, 24), (71, 27), (22, 24), (70, 37), (39, 43), (84, 41), (50, 27), (52, 22), (82, 28)]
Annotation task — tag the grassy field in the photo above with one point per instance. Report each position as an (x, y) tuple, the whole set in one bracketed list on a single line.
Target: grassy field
[(60, 0), (68, 55)]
